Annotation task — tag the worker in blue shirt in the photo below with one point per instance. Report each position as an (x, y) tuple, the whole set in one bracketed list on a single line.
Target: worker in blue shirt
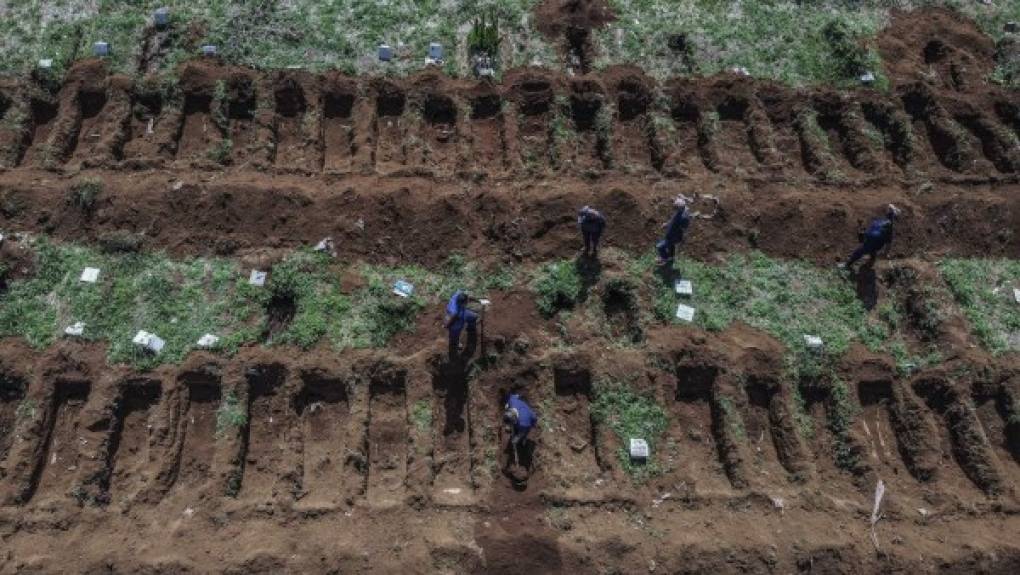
[(591, 223), (675, 230), (879, 235), (519, 419), (458, 316)]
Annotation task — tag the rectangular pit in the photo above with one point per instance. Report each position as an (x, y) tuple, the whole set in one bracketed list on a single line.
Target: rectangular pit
[(204, 394), (328, 475), (390, 152), (729, 137), (271, 423), (91, 105), (199, 133), (691, 427), (60, 457), (338, 132), (43, 117), (573, 444), (488, 134), (295, 130), (12, 393), (876, 426), (131, 465), (758, 423), (387, 440), (452, 432)]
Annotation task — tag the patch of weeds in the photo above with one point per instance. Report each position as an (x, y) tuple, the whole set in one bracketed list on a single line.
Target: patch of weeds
[(25, 410), (732, 415), (558, 286), (805, 423), (842, 413), (230, 415), (983, 288), (220, 151), (121, 242), (630, 415), (421, 415), (219, 106), (83, 195)]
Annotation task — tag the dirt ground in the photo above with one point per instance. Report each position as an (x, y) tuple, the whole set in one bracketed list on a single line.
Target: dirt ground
[(105, 470)]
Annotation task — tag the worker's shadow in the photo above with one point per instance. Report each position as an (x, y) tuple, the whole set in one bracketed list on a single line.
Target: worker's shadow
[(450, 383), (866, 282), (590, 270)]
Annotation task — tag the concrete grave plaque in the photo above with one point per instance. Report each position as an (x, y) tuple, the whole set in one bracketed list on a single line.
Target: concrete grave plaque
[(684, 287), (75, 330), (257, 278), (90, 275), (1016, 295), (385, 53), (638, 449), (101, 49), (208, 341), (403, 289), (685, 312), (209, 50), (161, 17), (813, 341), (148, 341)]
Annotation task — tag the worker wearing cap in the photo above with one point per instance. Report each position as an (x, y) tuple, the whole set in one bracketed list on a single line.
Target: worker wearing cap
[(879, 235), (675, 230), (519, 419), (458, 316), (591, 224)]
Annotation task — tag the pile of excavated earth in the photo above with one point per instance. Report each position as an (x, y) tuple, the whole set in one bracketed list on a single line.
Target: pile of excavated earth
[(105, 468)]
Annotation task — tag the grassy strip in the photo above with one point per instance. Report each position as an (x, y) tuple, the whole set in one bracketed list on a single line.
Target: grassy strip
[(630, 415), (984, 291), (785, 298), (182, 300)]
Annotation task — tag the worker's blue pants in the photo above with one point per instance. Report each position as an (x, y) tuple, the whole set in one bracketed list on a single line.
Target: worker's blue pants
[(666, 249), (470, 319), (870, 247)]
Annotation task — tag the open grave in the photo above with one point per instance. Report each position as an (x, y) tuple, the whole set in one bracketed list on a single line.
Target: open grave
[(60, 457), (294, 128), (758, 416), (439, 135), (199, 133), (269, 434), (387, 440), (728, 135), (571, 452), (691, 429), (331, 471), (452, 433), (12, 393), (634, 141), (43, 116), (535, 128), (878, 429), (487, 132), (589, 147), (681, 145), (339, 145), (130, 459), (390, 148), (203, 396), (92, 105), (1003, 432), (242, 101)]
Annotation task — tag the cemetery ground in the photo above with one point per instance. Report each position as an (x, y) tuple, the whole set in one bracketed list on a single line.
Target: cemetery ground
[(301, 416)]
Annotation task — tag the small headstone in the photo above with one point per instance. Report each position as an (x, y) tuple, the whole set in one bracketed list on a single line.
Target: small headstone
[(75, 330), (638, 449), (257, 278), (436, 51), (208, 341), (101, 49), (867, 78), (161, 17), (90, 275), (684, 287), (209, 50), (484, 302), (1016, 292), (385, 53), (325, 245), (740, 71), (813, 341), (685, 313), (46, 63), (403, 288), (149, 341), (1, 238), (1011, 27)]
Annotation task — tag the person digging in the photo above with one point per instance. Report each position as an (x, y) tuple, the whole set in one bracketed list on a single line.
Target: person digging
[(459, 316), (591, 224), (518, 419), (876, 238), (675, 228)]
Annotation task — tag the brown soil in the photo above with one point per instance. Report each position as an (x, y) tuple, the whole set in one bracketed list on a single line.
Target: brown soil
[(395, 460)]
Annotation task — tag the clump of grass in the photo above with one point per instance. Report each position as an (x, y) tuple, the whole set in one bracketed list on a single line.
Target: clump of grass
[(558, 285), (732, 415), (984, 291), (83, 195), (220, 151), (421, 415), (230, 415), (843, 411), (630, 415)]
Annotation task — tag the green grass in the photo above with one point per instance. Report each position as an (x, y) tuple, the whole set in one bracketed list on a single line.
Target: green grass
[(842, 413), (984, 290), (558, 286), (182, 300), (785, 298), (629, 414), (421, 415), (230, 415)]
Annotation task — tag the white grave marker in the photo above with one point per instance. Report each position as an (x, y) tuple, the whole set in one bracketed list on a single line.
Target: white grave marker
[(436, 51), (403, 289), (684, 287), (484, 302), (149, 341), (101, 49), (46, 63), (385, 53), (208, 341), (161, 17), (867, 78), (638, 448), (1016, 292), (257, 278), (90, 275), (209, 50), (813, 341), (685, 312), (75, 330)]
